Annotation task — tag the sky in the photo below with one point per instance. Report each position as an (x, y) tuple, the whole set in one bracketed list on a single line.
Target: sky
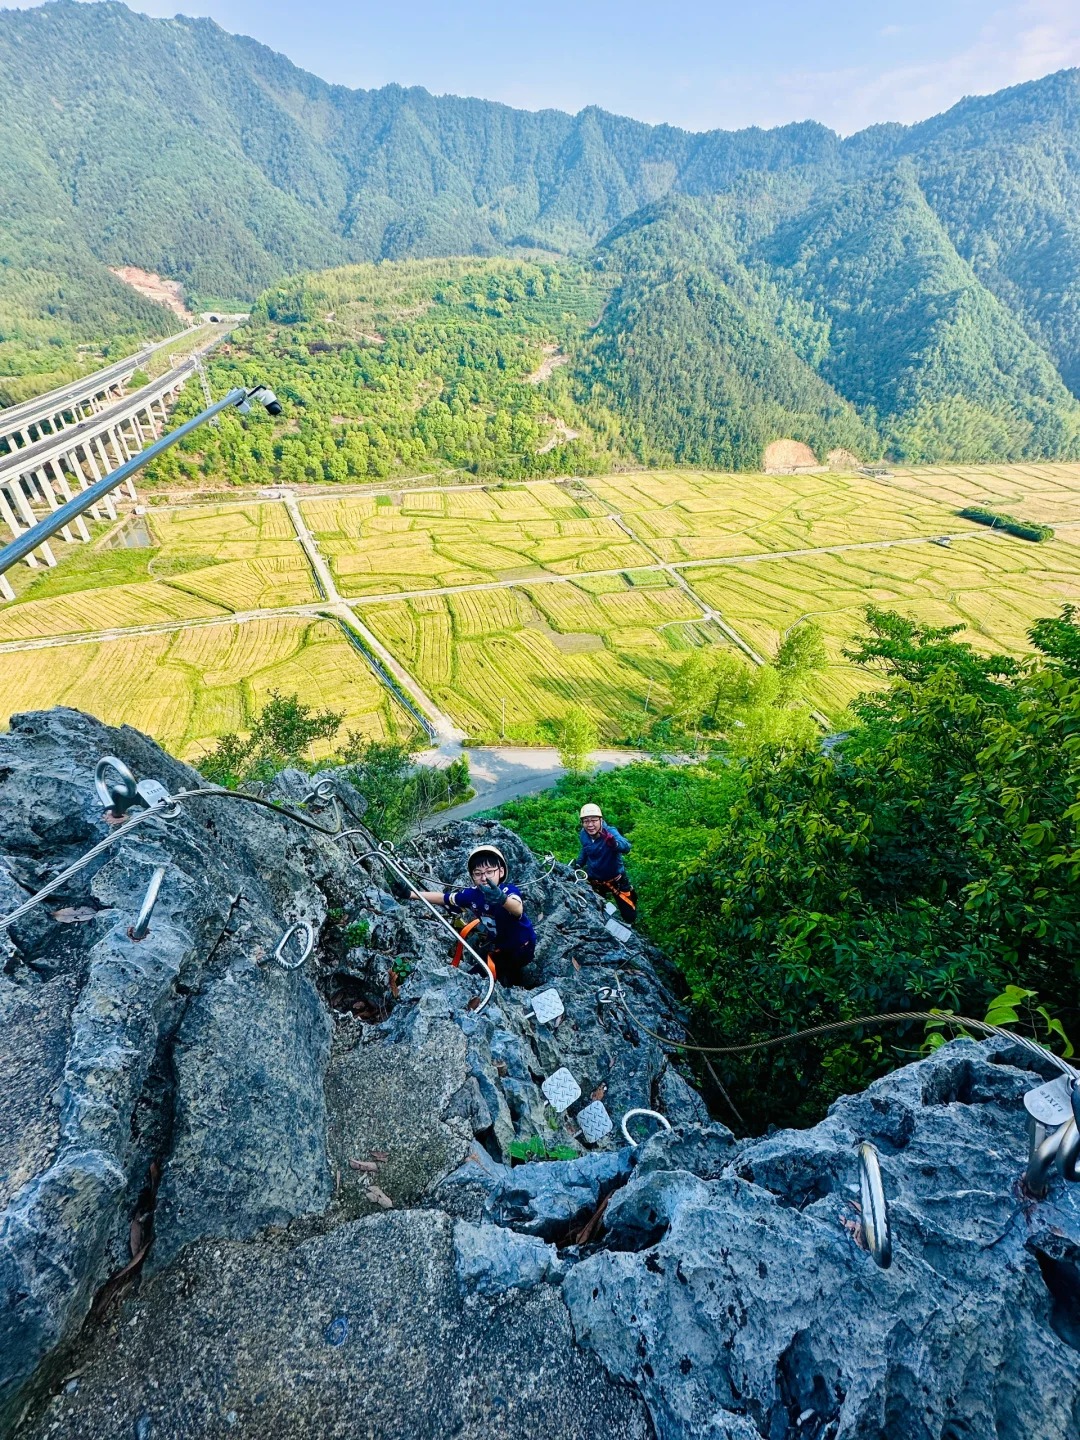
[(699, 64)]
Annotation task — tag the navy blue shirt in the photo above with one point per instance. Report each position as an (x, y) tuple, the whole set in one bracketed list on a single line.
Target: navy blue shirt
[(599, 857), (512, 932)]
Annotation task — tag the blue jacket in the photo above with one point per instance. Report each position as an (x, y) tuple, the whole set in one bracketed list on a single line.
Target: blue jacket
[(512, 932), (600, 855)]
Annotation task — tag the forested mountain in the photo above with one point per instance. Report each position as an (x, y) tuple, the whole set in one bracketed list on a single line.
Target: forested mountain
[(914, 290)]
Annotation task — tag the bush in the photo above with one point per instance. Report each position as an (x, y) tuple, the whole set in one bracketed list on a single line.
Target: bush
[(1023, 529)]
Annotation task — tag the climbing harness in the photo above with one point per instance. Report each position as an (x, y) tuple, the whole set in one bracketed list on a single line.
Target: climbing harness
[(652, 1115), (459, 949), (622, 900)]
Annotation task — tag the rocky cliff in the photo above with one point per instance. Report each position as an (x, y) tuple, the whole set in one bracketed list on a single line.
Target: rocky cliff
[(243, 1200)]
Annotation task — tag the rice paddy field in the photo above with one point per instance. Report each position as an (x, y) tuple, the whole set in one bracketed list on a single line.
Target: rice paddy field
[(689, 515), (993, 585), (188, 687), (532, 652), (578, 611), (201, 562), (382, 545), (1048, 494)]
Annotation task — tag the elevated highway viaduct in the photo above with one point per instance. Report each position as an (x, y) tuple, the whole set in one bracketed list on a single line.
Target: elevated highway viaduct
[(41, 476), (62, 442), (32, 420)]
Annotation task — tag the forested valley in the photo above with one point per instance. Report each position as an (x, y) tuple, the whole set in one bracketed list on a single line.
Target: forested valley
[(908, 291)]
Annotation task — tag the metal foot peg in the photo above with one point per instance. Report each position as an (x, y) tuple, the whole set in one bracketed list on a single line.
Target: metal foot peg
[(305, 945), (141, 928), (875, 1208)]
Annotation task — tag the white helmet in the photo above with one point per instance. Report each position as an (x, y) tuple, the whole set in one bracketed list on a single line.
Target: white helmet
[(587, 812), (491, 851)]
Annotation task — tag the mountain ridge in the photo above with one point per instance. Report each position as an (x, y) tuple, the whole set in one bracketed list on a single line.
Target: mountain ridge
[(213, 160)]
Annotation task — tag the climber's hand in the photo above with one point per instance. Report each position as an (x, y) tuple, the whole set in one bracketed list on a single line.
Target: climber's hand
[(607, 837), (492, 894)]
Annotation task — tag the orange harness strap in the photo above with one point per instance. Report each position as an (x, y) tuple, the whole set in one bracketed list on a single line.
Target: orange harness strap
[(459, 949)]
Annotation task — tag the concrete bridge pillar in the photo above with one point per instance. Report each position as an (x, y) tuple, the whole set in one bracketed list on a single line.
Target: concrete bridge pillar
[(47, 490), (12, 523), (23, 507), (65, 490)]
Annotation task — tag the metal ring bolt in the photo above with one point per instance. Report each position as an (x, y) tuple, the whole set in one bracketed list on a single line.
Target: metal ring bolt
[(118, 797), (301, 927), (652, 1114)]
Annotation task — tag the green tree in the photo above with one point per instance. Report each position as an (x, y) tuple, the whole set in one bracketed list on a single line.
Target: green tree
[(800, 654), (281, 735), (576, 738)]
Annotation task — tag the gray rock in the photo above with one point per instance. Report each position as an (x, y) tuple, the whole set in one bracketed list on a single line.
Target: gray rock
[(751, 1298), (249, 1141), (679, 1101), (359, 1332), (399, 1099), (550, 1197), (704, 1150), (491, 1260), (184, 1093)]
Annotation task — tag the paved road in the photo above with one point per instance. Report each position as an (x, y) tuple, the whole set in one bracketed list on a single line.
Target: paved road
[(507, 772), (315, 608), (447, 734), (31, 456), (15, 417)]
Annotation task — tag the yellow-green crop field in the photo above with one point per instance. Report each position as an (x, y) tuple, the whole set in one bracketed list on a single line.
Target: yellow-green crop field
[(432, 539), (187, 687), (689, 515), (1048, 494), (205, 561), (579, 609), (996, 586), (540, 649)]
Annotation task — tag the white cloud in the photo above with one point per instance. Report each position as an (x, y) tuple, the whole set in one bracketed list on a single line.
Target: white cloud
[(1017, 42)]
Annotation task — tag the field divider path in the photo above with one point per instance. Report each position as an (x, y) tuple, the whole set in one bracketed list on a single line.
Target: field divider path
[(707, 610), (439, 727), (316, 608)]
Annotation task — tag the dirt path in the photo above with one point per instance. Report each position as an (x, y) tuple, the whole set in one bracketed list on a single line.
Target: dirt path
[(553, 358), (440, 727)]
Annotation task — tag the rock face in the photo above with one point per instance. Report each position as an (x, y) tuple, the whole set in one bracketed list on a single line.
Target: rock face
[(243, 1201)]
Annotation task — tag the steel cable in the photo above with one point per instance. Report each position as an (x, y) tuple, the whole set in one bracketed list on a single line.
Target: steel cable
[(381, 851), (158, 810), (6, 921), (888, 1017)]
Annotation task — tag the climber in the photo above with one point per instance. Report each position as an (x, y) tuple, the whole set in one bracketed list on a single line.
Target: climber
[(600, 856), (501, 931)]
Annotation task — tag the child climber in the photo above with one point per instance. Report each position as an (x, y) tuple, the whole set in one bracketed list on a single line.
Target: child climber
[(600, 856), (510, 940)]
